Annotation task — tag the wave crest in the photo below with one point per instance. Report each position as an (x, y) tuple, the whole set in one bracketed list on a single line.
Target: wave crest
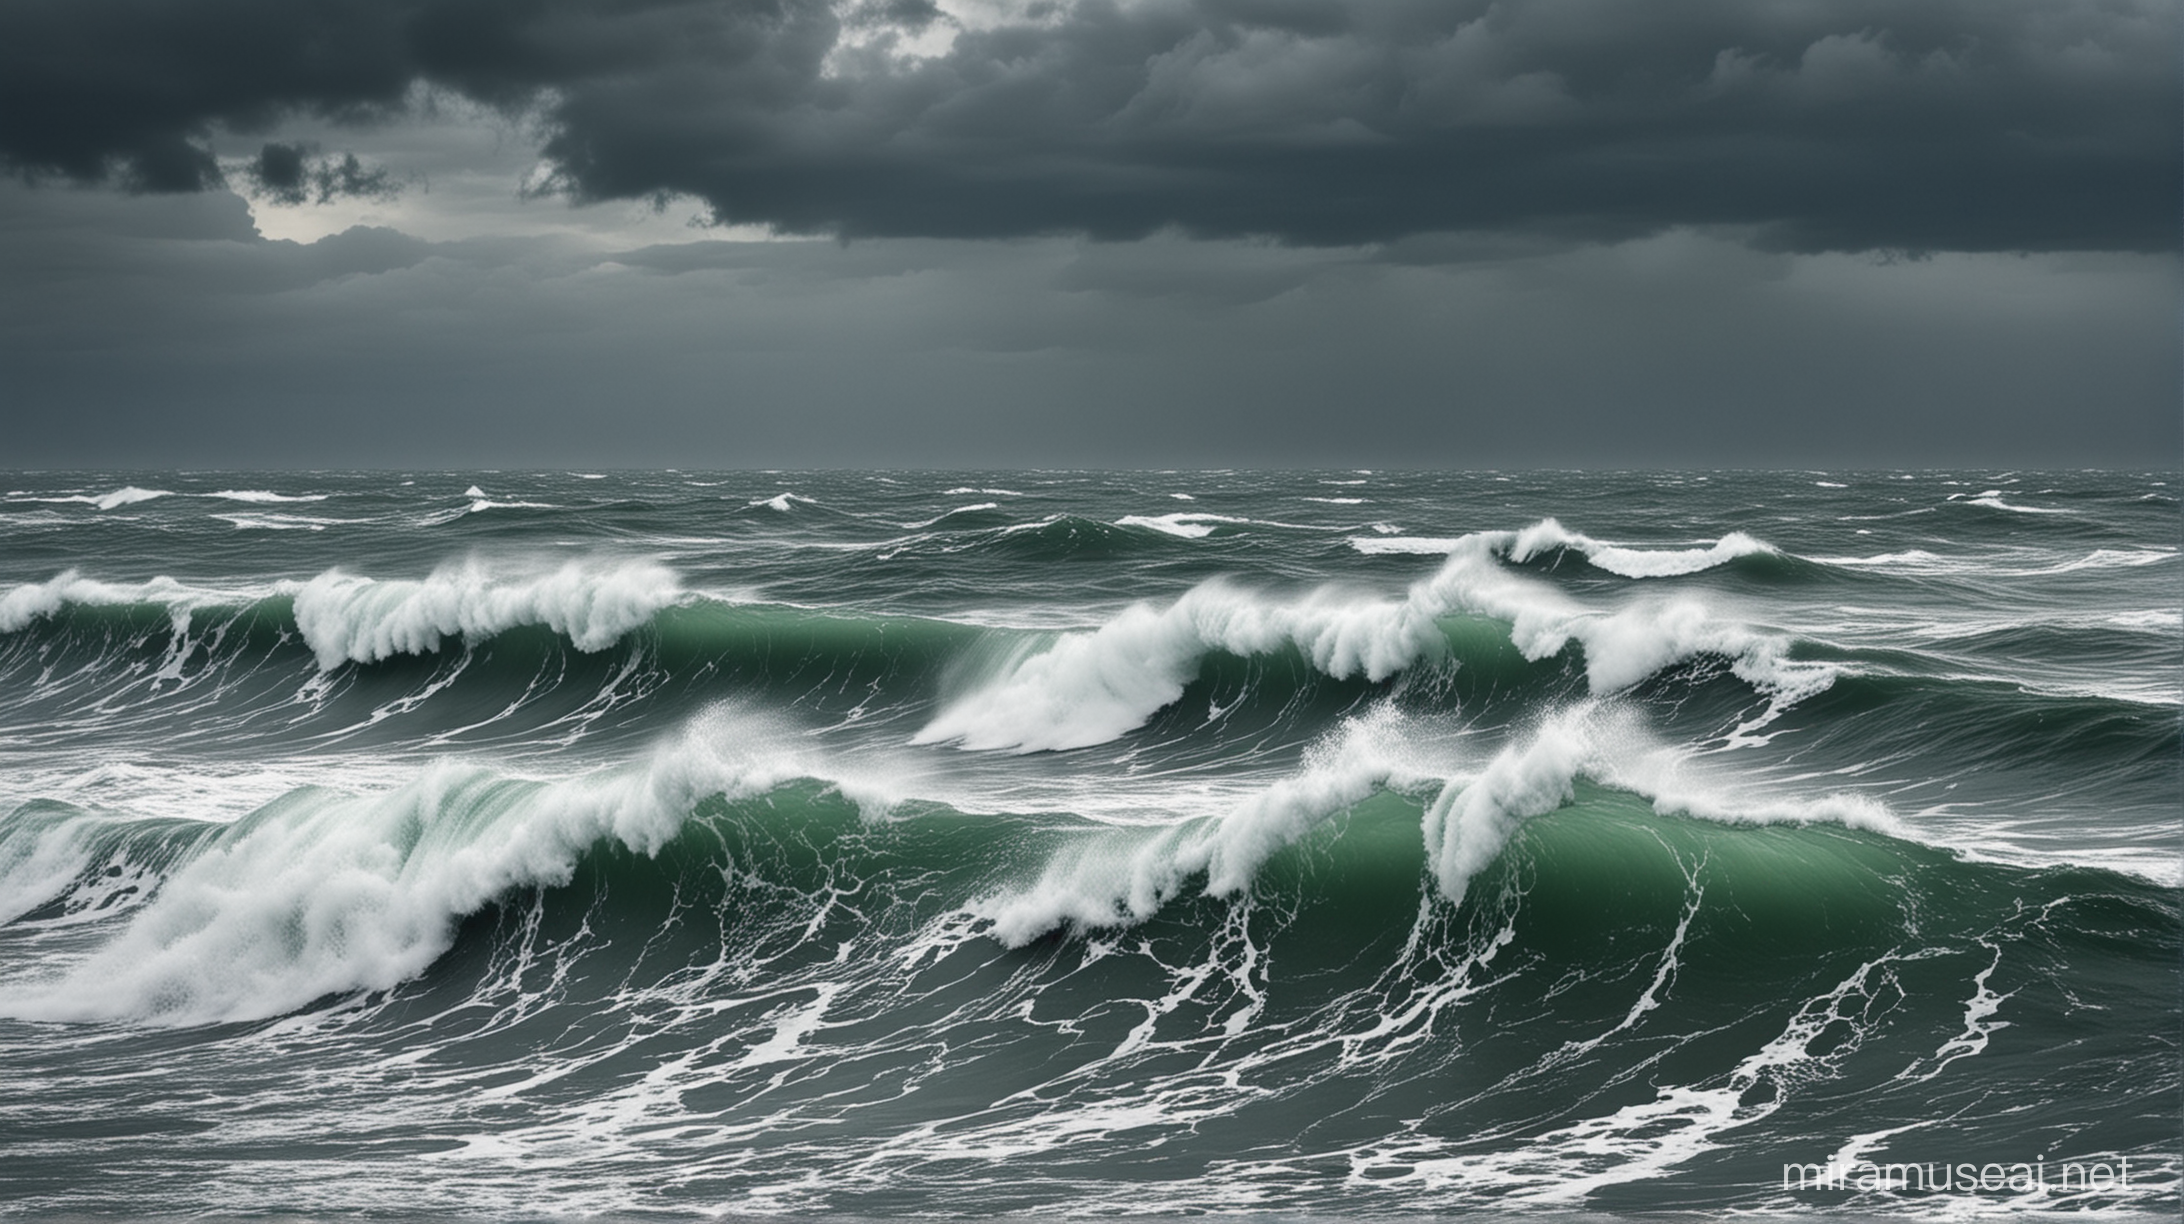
[(345, 618), (1089, 688)]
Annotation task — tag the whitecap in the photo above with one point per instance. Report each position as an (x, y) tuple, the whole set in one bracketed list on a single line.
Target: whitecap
[(128, 496), (345, 618), (1092, 687), (266, 496), (1547, 534), (781, 502), (323, 893), (1188, 526)]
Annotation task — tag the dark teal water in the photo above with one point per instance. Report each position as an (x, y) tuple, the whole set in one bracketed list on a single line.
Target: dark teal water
[(509, 845)]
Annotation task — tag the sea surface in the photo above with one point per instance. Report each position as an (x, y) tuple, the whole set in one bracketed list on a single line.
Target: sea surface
[(490, 845)]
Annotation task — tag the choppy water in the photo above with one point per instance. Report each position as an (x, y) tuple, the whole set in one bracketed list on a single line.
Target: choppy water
[(1327, 843)]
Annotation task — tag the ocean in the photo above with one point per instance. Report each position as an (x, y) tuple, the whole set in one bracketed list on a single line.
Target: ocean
[(1353, 844)]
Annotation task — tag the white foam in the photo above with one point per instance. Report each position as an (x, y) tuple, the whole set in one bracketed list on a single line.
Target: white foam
[(21, 605), (39, 864), (1401, 545), (1189, 526), (1644, 1140), (1992, 499), (1910, 561), (345, 618), (266, 496), (1469, 823), (947, 513), (1089, 688), (1123, 876), (781, 501), (1980, 1026), (325, 894), (2014, 563), (278, 522), (796, 1024), (2159, 619), (128, 496), (104, 501), (2115, 558), (1118, 877), (1547, 534)]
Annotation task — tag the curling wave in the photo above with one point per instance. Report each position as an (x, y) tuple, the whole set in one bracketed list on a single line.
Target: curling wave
[(1090, 688)]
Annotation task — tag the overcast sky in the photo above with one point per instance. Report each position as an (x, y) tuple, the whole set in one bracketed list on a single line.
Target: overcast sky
[(1088, 232)]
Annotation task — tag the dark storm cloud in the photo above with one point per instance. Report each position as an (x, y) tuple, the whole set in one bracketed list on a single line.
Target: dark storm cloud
[(290, 174), (163, 330), (1855, 124)]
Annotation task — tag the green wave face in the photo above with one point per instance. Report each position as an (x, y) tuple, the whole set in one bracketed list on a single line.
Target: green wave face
[(1606, 944), (1310, 844)]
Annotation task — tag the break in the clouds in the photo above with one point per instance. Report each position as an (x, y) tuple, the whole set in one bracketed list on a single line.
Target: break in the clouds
[(1968, 125)]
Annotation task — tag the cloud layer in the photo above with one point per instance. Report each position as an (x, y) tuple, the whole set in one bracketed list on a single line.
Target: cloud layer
[(161, 330), (1971, 125)]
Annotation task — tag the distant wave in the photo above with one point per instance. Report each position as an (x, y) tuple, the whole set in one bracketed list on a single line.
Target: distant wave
[(346, 618), (1088, 688), (1992, 500), (1189, 526), (265, 496), (1919, 561), (1548, 535), (128, 495)]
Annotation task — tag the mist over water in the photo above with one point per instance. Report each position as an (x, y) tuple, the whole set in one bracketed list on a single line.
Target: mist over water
[(1339, 843)]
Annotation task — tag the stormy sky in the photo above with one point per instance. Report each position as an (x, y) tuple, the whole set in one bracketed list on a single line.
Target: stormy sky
[(1088, 232)]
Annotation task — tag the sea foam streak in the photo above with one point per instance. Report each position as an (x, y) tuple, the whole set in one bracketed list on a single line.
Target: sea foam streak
[(128, 495), (1090, 688), (1185, 526), (1548, 535)]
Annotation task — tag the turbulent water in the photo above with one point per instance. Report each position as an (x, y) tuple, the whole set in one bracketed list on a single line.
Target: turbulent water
[(1355, 844)]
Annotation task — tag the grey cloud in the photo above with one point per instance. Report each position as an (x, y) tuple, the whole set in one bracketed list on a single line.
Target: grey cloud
[(1861, 124), (136, 337), (291, 174)]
